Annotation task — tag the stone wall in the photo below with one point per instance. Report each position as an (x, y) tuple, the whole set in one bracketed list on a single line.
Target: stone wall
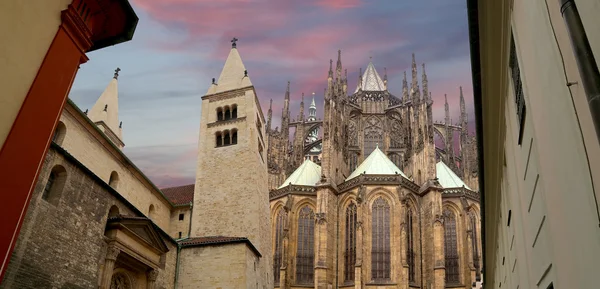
[(61, 243), (182, 226), (218, 267)]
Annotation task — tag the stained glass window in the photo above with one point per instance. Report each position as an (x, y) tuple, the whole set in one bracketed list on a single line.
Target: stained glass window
[(279, 226), (450, 247), (305, 256), (380, 251), (350, 253)]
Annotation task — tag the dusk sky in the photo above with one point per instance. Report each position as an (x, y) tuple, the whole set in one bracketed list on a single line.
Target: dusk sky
[(180, 45)]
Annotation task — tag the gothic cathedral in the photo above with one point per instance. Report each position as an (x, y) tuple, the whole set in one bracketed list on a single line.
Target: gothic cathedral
[(364, 198)]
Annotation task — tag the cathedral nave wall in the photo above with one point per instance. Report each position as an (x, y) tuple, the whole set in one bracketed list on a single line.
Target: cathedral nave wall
[(93, 150)]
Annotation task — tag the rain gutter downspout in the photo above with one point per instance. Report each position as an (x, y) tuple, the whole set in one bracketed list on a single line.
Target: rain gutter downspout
[(588, 69)]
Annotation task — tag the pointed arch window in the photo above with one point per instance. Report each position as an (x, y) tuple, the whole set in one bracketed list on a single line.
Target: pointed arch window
[(450, 247), (350, 253), (380, 247), (410, 243), (475, 244), (305, 256), (279, 231)]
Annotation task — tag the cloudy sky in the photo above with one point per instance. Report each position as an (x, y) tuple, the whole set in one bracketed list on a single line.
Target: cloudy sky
[(180, 45)]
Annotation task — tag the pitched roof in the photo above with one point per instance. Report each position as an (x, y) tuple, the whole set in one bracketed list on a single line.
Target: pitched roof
[(217, 240), (371, 80), (232, 76), (181, 195), (447, 178), (307, 174), (377, 163)]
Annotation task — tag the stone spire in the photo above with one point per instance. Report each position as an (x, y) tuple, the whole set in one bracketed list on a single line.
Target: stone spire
[(330, 68), (301, 114), (449, 134), (105, 112), (360, 79), (312, 109), (424, 81), (234, 74), (463, 136), (269, 116), (338, 67), (404, 88), (285, 117), (385, 78), (415, 93)]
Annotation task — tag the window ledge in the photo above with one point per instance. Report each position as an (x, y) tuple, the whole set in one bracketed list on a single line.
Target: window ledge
[(224, 122)]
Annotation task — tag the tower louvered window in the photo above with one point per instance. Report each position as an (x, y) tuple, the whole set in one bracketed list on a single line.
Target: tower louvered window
[(518, 87), (350, 253), (380, 251), (277, 256), (410, 254), (450, 247), (305, 255)]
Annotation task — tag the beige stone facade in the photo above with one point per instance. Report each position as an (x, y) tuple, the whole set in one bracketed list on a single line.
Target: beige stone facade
[(540, 147)]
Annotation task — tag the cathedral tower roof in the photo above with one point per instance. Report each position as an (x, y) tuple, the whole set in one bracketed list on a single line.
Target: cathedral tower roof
[(105, 112), (307, 174), (371, 81), (234, 74), (447, 178), (377, 163)]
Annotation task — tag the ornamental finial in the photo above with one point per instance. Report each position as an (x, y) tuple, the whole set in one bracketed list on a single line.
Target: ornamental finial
[(233, 42), (117, 73)]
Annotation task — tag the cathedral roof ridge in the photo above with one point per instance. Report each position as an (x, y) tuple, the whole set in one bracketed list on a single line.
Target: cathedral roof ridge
[(447, 178), (371, 81), (307, 174), (377, 163)]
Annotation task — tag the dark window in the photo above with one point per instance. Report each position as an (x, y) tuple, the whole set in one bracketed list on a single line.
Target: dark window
[(450, 247), (305, 257), (410, 253), (226, 138), (509, 217), (219, 139), (380, 250), (227, 113), (475, 244), (219, 113), (234, 112), (518, 87), (59, 133), (114, 180), (179, 235), (234, 137), (279, 227), (49, 185), (350, 253), (181, 217)]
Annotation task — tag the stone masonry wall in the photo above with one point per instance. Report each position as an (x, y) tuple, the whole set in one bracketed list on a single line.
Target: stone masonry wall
[(61, 244)]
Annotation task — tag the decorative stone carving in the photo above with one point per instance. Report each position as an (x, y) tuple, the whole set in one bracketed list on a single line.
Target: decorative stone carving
[(320, 218), (288, 204), (152, 275), (112, 252), (360, 197), (352, 133), (396, 131), (401, 194), (120, 281)]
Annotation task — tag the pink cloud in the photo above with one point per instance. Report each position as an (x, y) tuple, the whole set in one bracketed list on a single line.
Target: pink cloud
[(339, 4)]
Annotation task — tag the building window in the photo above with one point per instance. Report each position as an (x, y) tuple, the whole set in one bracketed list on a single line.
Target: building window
[(518, 87), (179, 235), (474, 245), (350, 253), (279, 230), (114, 180), (59, 133), (234, 136), (226, 138), (450, 247), (380, 251), (410, 243), (151, 212), (227, 113), (219, 139), (181, 216), (219, 114), (234, 111), (55, 185), (113, 212), (353, 161), (305, 257)]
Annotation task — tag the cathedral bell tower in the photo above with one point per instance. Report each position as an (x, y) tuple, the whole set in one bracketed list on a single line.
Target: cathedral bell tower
[(231, 198)]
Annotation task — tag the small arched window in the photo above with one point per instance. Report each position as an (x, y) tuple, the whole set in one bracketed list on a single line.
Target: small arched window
[(380, 246), (234, 136), (450, 247), (151, 212), (226, 138), (219, 114), (234, 111), (219, 139), (59, 133), (55, 185), (114, 180), (227, 113), (113, 212)]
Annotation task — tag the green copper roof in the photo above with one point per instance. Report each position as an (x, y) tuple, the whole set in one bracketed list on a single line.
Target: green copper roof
[(447, 178), (377, 163), (307, 174)]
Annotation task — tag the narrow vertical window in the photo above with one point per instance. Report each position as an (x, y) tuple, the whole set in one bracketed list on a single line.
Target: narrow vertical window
[(350, 253), (475, 244), (55, 185), (279, 226), (234, 111), (234, 137), (227, 113), (219, 139), (450, 247), (59, 133), (226, 138), (380, 247), (114, 180), (305, 256), (410, 253), (518, 87), (219, 113)]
